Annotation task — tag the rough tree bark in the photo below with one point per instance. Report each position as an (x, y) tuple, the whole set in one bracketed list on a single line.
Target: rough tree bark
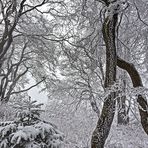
[(102, 129)]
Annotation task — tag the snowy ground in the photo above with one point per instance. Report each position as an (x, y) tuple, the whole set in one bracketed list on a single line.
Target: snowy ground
[(78, 130), (131, 136)]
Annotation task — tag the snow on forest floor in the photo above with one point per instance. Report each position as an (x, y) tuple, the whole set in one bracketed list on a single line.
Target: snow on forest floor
[(78, 134), (131, 136)]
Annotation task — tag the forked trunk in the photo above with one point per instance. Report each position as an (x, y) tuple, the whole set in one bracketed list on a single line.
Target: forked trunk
[(137, 82)]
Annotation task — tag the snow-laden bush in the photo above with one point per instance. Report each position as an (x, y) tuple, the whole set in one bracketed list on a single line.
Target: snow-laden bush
[(28, 131)]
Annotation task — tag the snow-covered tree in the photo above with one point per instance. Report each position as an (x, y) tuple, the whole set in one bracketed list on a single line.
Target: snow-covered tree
[(27, 130)]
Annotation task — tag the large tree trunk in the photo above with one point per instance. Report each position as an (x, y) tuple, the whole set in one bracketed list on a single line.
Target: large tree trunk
[(102, 129), (137, 82)]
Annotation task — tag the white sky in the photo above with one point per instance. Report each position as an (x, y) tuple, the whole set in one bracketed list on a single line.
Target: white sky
[(35, 94)]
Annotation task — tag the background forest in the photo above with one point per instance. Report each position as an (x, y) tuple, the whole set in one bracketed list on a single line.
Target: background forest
[(90, 58)]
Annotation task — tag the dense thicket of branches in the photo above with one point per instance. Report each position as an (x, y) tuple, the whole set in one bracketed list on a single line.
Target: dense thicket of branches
[(84, 48)]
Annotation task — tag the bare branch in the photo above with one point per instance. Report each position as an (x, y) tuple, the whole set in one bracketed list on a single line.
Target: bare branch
[(21, 91), (139, 17)]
